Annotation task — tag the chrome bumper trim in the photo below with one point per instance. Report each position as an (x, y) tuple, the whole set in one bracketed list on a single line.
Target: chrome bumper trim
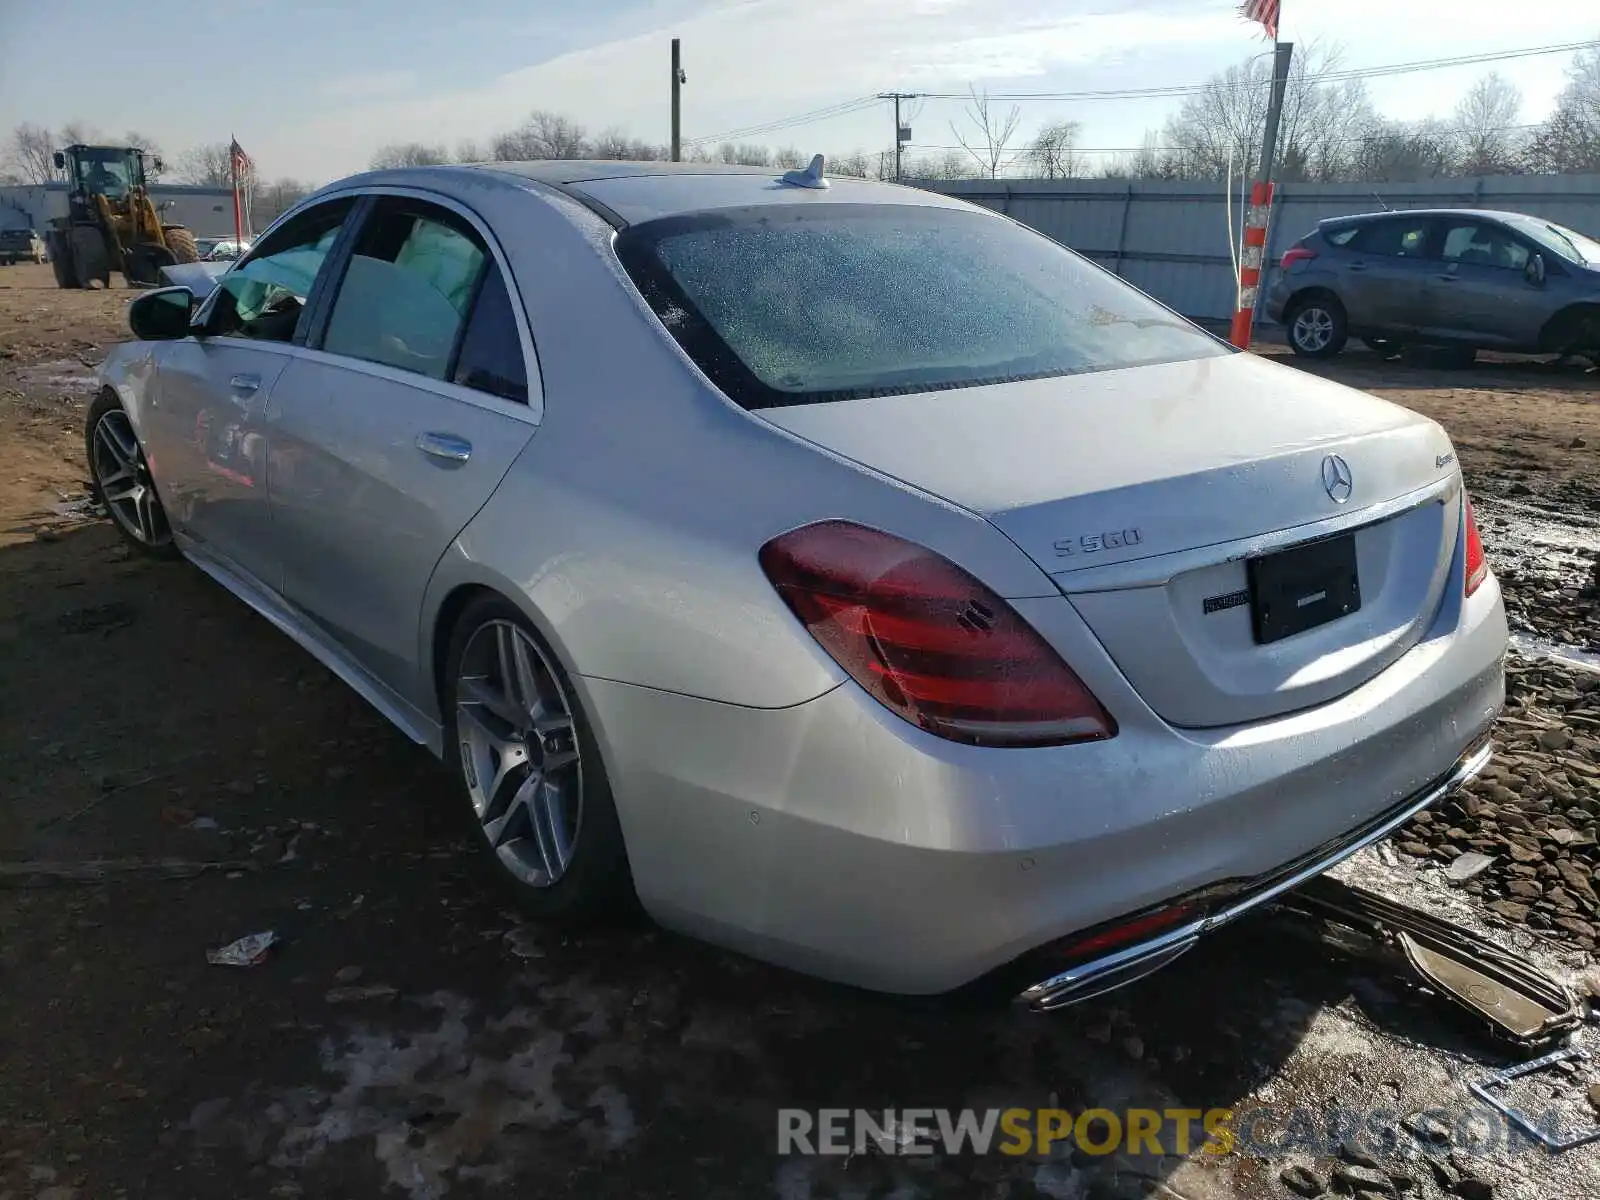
[(1101, 975)]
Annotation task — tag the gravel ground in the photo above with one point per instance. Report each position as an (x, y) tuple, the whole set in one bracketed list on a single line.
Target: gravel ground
[(204, 779)]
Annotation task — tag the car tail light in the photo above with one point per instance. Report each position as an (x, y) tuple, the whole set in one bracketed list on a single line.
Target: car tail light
[(1296, 254), (1123, 933), (928, 640), (1477, 564)]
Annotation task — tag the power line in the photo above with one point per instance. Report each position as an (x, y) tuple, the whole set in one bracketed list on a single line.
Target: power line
[(1190, 89), (841, 109), (1023, 150), (1170, 91)]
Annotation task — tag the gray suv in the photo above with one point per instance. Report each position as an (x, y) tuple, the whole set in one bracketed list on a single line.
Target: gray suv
[(1462, 279)]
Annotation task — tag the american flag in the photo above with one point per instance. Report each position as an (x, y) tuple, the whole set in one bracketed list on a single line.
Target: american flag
[(241, 161), (1264, 13)]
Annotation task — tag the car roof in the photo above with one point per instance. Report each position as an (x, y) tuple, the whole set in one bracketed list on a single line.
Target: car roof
[(1493, 214), (628, 193)]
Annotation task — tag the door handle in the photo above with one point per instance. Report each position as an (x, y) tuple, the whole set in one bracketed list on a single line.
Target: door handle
[(1358, 266), (245, 383), (445, 446), (1448, 278)]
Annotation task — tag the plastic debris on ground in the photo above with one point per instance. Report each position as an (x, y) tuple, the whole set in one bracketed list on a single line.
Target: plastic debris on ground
[(246, 952)]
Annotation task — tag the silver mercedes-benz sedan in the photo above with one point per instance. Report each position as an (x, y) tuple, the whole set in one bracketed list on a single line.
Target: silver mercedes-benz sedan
[(857, 577)]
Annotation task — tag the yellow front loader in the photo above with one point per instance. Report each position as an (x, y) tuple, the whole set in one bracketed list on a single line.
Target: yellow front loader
[(111, 225)]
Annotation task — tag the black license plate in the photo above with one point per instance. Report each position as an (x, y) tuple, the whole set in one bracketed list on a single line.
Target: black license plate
[(1298, 589)]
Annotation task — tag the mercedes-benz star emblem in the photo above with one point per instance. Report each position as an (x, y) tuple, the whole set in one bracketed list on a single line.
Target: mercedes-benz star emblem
[(1336, 478)]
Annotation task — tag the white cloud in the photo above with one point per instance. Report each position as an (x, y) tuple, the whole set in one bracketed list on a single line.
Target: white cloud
[(750, 61)]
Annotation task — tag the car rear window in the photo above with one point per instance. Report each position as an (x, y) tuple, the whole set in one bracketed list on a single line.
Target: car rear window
[(794, 304)]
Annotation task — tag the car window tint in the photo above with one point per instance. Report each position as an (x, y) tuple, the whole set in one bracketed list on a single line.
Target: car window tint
[(791, 304), (491, 349), (1341, 237), (404, 296), (1394, 239), (1483, 245), (264, 298)]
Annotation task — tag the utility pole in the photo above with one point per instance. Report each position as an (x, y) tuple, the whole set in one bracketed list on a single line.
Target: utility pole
[(1252, 259), (678, 80), (1280, 83), (902, 133)]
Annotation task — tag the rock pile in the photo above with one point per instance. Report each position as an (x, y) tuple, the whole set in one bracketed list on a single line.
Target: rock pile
[(1535, 813)]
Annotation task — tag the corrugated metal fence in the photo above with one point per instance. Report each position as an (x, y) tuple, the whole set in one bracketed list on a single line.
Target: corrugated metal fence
[(1171, 239)]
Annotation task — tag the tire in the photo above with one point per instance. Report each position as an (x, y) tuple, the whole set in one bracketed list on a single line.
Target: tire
[(593, 881), (89, 255), (61, 265), (140, 520), (1384, 347), (181, 242), (1316, 327), (1574, 331)]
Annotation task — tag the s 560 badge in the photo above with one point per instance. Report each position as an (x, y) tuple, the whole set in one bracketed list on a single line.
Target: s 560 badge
[(1094, 543)]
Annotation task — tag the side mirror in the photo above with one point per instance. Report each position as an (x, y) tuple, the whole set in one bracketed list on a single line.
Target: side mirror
[(161, 315), (61, 161), (1535, 270)]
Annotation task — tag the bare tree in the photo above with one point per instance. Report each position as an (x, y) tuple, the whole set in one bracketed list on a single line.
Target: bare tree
[(409, 154), (993, 133), (788, 158), (1485, 119), (469, 151), (76, 133), (1322, 120), (953, 164), (1399, 152), (1151, 161), (543, 135), (210, 165), (1052, 154), (273, 199), (1570, 140), (854, 165), (30, 154), (744, 154)]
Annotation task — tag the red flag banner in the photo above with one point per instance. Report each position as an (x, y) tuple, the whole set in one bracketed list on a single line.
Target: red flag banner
[(241, 160), (1263, 13)]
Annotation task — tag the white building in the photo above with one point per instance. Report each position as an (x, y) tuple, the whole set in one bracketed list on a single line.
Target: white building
[(208, 211)]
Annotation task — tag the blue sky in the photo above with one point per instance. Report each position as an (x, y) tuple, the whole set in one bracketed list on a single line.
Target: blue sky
[(311, 89)]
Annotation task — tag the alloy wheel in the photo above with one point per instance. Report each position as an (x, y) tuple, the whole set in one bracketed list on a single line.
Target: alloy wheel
[(519, 753), (1313, 329), (124, 481)]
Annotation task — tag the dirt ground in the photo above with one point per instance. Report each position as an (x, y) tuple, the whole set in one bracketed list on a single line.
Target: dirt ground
[(175, 774)]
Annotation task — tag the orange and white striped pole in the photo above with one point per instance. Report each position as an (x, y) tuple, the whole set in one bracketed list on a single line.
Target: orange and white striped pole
[(1252, 262)]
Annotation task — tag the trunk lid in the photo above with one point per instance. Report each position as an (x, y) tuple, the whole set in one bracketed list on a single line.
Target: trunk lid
[(1143, 492)]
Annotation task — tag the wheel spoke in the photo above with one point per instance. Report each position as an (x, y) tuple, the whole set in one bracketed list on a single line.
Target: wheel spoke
[(141, 509), (547, 809), (477, 691), (113, 444), (131, 492), (510, 822)]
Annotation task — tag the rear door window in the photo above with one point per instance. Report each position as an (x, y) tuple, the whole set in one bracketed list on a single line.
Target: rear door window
[(793, 304), (1394, 238), (491, 358), (404, 298)]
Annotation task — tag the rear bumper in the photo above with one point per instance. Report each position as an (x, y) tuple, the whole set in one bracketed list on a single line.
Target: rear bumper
[(835, 839), (1096, 976)]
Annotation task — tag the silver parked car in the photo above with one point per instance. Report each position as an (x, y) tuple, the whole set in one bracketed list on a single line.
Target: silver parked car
[(857, 577), (1468, 280)]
